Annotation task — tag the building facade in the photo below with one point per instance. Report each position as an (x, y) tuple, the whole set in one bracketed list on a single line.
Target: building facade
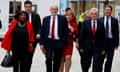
[(83, 5), (8, 8)]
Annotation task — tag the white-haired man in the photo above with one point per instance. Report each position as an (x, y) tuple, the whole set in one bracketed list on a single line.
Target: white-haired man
[(54, 34), (91, 42)]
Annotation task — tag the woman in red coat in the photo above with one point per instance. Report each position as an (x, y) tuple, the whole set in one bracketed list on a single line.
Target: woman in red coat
[(67, 52), (19, 39)]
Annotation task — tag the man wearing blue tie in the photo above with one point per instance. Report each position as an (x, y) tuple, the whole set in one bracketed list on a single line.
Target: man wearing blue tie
[(54, 34), (111, 37)]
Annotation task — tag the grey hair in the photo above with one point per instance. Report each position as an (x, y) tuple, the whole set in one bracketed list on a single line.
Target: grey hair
[(54, 5), (94, 9)]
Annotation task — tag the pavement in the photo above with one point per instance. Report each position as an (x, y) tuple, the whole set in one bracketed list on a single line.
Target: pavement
[(39, 61)]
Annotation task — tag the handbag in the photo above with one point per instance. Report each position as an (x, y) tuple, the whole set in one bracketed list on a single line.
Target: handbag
[(7, 60)]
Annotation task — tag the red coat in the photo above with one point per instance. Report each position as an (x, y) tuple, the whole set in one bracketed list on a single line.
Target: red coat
[(74, 19), (70, 35), (7, 40)]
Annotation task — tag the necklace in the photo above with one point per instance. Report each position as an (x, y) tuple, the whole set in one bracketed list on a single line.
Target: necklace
[(21, 25)]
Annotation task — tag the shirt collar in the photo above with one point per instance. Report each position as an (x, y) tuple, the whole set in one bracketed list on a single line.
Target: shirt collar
[(107, 16), (94, 21)]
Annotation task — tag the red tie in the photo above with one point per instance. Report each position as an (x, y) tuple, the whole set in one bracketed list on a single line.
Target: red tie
[(53, 28), (94, 28)]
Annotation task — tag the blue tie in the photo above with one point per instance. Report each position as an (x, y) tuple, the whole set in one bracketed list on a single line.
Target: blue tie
[(107, 28)]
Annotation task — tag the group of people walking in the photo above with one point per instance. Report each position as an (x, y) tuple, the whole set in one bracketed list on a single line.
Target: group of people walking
[(95, 38)]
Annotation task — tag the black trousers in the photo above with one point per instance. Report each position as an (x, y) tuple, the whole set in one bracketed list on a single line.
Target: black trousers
[(20, 61), (20, 66), (30, 55), (53, 55), (86, 58), (109, 56)]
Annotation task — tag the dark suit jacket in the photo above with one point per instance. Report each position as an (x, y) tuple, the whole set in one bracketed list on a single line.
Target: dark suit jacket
[(86, 36), (36, 21), (115, 30), (62, 29), (0, 24)]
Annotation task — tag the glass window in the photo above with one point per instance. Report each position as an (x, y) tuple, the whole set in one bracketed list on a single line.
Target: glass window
[(88, 4), (11, 9)]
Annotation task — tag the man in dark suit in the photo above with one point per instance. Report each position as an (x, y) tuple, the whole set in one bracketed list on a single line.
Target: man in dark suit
[(54, 32), (91, 42), (34, 18), (112, 37)]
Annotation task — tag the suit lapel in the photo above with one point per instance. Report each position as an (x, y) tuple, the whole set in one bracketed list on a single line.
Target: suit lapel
[(58, 23), (98, 26), (32, 17), (112, 22), (48, 23), (103, 21), (90, 26)]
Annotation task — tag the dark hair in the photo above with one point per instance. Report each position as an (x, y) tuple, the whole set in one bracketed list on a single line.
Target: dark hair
[(67, 9), (19, 13), (27, 2), (109, 7)]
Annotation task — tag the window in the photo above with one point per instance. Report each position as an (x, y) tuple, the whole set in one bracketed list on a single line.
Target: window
[(11, 9), (34, 8)]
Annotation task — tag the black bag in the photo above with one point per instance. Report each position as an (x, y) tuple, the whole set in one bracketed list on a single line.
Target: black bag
[(7, 60)]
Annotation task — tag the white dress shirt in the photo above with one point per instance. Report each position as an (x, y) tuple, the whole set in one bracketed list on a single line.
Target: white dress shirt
[(30, 17), (109, 23), (56, 28), (92, 22), (118, 18)]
